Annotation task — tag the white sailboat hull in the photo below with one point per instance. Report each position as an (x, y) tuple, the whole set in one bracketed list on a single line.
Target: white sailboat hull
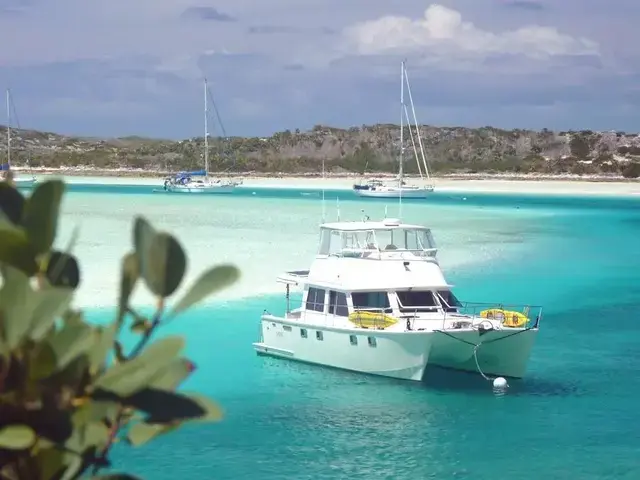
[(202, 189), (24, 182), (402, 355), (419, 192)]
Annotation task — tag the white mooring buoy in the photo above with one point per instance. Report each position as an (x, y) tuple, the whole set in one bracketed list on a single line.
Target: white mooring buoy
[(500, 383)]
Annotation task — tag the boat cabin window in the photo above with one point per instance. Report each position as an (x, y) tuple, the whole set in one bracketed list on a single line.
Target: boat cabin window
[(338, 303), (315, 299), (411, 239), (371, 301), (449, 301), (417, 301), (346, 243), (362, 243)]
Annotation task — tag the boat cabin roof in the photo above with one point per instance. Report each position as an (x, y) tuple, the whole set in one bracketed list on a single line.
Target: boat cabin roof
[(386, 224)]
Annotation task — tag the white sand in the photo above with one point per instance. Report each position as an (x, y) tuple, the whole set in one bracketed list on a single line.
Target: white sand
[(506, 184)]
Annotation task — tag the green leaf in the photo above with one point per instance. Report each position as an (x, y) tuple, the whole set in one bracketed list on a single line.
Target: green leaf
[(209, 282), (143, 234), (213, 412), (49, 304), (15, 249), (141, 433), (129, 274), (73, 317), (162, 406), (172, 375), (63, 270), (50, 461), (40, 216), (124, 379), (16, 305), (43, 363), (71, 341), (74, 466), (17, 437), (11, 203), (164, 265), (104, 339)]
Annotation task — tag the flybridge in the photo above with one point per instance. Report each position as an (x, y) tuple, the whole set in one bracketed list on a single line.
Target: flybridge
[(387, 239)]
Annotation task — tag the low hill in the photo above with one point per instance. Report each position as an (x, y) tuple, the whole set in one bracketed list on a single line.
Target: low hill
[(374, 148)]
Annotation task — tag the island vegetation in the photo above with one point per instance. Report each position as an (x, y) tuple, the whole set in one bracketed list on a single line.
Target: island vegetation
[(357, 150)]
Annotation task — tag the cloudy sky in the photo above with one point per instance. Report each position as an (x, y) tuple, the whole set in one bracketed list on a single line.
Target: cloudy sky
[(135, 67)]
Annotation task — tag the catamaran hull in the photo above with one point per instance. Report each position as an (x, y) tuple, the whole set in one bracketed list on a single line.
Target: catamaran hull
[(502, 353), (212, 189), (402, 355), (413, 193)]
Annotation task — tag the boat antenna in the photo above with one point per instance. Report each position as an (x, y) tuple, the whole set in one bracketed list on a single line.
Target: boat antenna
[(338, 207), (323, 203), (8, 128), (401, 159), (206, 131)]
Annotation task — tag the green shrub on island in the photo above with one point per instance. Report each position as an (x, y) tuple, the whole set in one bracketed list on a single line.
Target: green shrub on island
[(69, 389)]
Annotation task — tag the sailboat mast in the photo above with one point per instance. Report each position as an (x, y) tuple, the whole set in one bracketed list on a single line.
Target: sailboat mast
[(8, 128), (401, 159), (206, 132)]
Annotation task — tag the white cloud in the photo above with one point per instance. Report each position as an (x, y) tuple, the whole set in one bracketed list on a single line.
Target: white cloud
[(442, 32)]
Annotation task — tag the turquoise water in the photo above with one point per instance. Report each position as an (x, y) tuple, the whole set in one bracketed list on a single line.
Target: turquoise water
[(574, 416)]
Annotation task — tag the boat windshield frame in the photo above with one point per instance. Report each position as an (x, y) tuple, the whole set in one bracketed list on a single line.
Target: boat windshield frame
[(376, 242)]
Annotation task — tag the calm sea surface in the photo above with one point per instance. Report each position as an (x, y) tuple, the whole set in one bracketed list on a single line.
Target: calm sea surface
[(575, 415)]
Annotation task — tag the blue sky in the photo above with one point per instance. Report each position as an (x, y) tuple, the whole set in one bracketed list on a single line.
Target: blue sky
[(136, 67)]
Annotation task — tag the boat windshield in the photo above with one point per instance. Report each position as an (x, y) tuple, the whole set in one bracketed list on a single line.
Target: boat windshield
[(363, 243)]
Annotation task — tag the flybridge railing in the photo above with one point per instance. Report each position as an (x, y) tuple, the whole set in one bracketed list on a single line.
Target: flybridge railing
[(384, 254)]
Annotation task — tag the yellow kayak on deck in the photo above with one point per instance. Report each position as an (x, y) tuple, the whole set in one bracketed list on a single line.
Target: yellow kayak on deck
[(509, 317), (372, 319)]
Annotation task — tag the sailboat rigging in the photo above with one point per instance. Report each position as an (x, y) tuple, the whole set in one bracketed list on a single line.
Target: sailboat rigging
[(199, 181), (400, 188), (6, 167)]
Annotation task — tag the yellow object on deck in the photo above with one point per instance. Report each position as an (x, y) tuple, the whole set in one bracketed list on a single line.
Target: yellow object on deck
[(509, 318), (372, 319)]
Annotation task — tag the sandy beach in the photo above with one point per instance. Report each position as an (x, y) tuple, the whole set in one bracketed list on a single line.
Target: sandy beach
[(505, 183)]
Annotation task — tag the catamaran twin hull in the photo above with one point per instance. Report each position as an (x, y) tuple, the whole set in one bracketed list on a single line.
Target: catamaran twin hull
[(394, 193), (402, 355)]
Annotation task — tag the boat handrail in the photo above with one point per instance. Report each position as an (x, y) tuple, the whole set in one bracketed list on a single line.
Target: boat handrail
[(533, 313)]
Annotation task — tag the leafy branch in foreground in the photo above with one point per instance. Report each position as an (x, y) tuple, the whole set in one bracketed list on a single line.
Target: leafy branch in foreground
[(68, 388)]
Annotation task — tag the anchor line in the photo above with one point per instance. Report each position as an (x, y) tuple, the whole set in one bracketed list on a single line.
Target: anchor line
[(476, 346)]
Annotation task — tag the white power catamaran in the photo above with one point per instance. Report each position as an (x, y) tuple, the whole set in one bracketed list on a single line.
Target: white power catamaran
[(199, 181), (376, 301), (5, 167), (399, 187)]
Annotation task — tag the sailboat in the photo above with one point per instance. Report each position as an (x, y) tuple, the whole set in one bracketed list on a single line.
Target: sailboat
[(399, 187), (199, 181), (5, 167)]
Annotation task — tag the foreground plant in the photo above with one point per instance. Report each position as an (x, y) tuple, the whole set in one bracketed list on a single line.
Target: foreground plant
[(68, 389)]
